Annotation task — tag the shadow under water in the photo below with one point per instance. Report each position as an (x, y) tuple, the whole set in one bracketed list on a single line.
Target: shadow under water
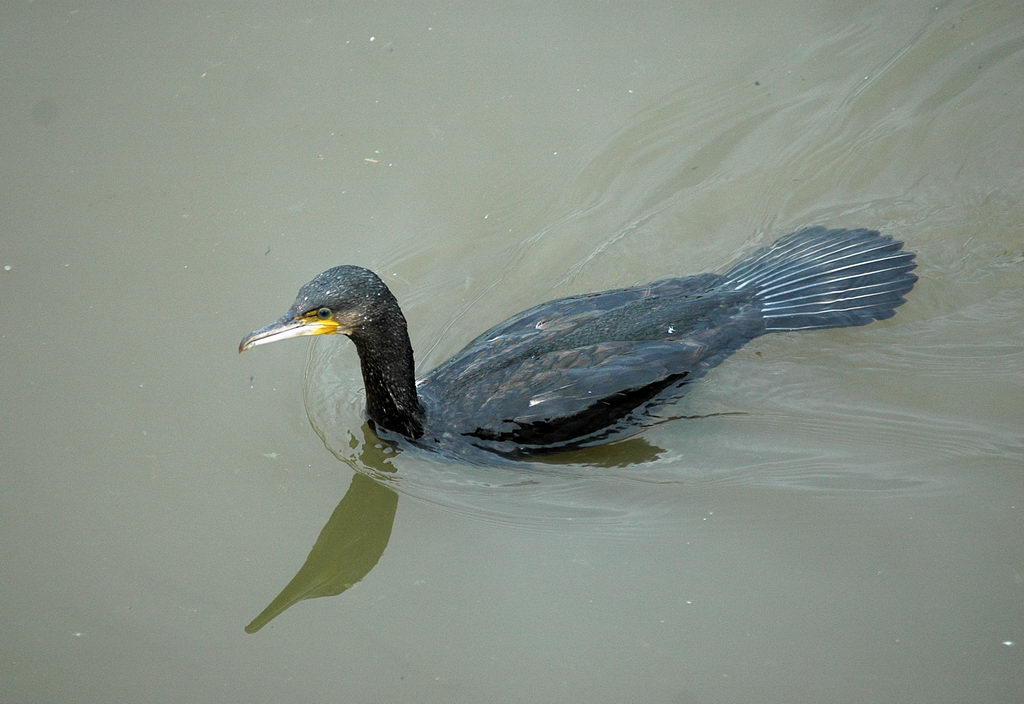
[(349, 545)]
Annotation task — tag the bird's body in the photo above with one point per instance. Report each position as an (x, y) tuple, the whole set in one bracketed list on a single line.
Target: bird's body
[(578, 370), (581, 370)]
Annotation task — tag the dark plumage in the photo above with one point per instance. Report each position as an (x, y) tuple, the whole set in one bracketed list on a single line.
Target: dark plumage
[(577, 371)]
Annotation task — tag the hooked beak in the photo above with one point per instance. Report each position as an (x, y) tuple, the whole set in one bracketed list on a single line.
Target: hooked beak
[(287, 328)]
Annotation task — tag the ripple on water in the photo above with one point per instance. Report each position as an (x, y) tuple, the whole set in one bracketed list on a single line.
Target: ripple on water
[(800, 440)]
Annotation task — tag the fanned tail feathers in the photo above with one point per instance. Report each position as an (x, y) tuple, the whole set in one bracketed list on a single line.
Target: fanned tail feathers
[(820, 278)]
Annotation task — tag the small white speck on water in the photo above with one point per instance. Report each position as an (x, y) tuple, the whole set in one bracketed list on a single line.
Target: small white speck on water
[(7, 267), (1009, 643), (671, 329), (373, 39), (77, 634)]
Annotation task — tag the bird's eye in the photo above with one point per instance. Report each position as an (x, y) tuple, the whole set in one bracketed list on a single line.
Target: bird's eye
[(324, 313)]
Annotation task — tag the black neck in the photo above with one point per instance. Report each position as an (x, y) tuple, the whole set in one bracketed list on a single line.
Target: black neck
[(385, 355)]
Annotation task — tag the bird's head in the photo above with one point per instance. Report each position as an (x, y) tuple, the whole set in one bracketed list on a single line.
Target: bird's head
[(343, 300)]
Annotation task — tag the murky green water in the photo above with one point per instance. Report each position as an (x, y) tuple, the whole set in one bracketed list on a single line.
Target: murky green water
[(839, 517)]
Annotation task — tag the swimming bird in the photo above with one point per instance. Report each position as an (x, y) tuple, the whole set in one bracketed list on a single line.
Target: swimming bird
[(582, 370)]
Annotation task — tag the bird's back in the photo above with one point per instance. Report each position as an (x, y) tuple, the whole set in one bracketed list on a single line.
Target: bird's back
[(572, 371)]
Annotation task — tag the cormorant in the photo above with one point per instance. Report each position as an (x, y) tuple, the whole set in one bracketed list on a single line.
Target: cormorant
[(581, 370)]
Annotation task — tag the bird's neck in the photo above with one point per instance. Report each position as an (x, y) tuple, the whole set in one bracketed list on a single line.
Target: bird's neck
[(385, 356)]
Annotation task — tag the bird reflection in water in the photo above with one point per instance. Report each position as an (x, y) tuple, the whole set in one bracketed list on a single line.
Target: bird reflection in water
[(351, 542)]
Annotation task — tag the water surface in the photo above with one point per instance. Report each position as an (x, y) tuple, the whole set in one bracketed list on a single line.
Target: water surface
[(835, 516)]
